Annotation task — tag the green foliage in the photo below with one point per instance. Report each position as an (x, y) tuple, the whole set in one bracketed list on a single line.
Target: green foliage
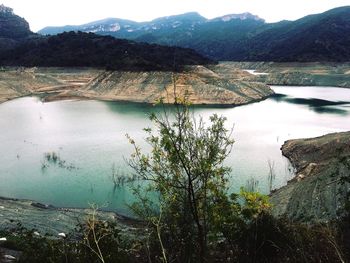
[(264, 239), (236, 212), (193, 219), (269, 240), (185, 168)]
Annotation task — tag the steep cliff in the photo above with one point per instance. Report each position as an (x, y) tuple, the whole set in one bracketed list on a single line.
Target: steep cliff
[(320, 190)]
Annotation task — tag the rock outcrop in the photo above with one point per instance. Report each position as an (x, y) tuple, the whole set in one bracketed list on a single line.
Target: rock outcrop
[(320, 190), (13, 29), (11, 25)]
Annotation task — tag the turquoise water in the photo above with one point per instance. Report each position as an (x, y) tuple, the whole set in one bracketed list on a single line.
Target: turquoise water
[(89, 139)]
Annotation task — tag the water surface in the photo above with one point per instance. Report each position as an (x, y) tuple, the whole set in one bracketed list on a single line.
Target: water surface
[(89, 139)]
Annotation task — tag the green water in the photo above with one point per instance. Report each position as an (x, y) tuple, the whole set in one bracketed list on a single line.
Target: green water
[(89, 138)]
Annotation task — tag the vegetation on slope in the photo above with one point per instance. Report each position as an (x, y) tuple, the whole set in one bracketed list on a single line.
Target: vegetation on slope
[(20, 47), (77, 49)]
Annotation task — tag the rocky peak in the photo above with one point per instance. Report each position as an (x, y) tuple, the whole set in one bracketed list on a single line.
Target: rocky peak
[(11, 25), (5, 9), (243, 16), (189, 17)]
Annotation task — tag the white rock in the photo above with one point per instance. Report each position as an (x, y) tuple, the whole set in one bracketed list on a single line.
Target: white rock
[(2, 207), (62, 235), (3, 239), (9, 257), (36, 233), (300, 177)]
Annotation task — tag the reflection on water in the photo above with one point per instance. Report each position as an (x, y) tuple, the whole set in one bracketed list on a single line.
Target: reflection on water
[(88, 138), (317, 105)]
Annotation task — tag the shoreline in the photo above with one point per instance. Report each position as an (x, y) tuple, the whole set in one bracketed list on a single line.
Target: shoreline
[(292, 200), (48, 99), (48, 219), (199, 84)]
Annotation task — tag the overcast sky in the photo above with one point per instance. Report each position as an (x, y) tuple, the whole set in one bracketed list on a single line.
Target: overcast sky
[(41, 13)]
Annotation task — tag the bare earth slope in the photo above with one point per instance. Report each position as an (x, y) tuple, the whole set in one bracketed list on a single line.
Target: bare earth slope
[(320, 190), (32, 81), (225, 84), (298, 74), (200, 84)]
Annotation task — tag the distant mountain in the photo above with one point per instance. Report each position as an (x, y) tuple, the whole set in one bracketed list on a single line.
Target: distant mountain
[(80, 49), (12, 28), (131, 30), (20, 47), (321, 37)]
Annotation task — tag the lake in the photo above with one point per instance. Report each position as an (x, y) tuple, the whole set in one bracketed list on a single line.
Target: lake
[(88, 138)]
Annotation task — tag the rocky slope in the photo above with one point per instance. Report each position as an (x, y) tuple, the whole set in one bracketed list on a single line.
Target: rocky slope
[(320, 191), (199, 84)]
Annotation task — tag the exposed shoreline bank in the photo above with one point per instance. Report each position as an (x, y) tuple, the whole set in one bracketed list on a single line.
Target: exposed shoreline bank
[(319, 192), (200, 85), (52, 220), (227, 83)]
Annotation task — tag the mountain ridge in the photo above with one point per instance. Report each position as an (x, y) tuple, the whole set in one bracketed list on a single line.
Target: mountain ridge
[(244, 37), (47, 29)]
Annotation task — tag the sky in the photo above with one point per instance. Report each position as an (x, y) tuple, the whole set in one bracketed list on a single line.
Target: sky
[(41, 13)]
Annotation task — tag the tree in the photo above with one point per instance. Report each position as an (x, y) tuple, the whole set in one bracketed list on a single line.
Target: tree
[(185, 168)]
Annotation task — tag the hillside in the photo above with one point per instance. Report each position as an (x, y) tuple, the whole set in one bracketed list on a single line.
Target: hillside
[(89, 50), (13, 28), (11, 25), (20, 47), (322, 37), (242, 37)]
